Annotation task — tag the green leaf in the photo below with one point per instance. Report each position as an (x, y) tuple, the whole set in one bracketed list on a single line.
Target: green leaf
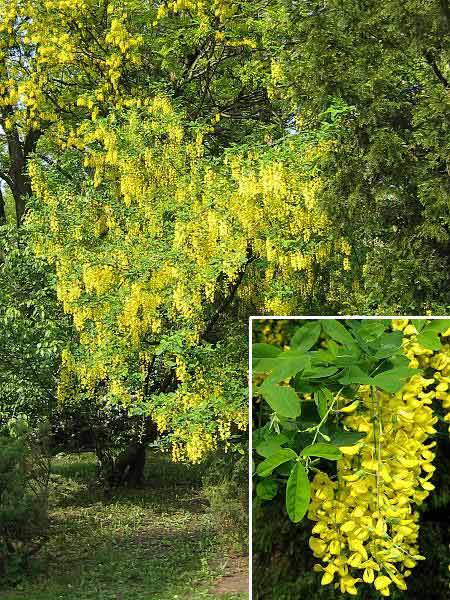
[(272, 446), (347, 357), (305, 337), (429, 339), (321, 398), (272, 462), (355, 375), (303, 387), (298, 493), (282, 399), (392, 381), (388, 344), (438, 325), (419, 324), (337, 332), (370, 330), (285, 469), (264, 365), (265, 351), (266, 489), (399, 360), (321, 357), (319, 372), (323, 450), (346, 438), (287, 367)]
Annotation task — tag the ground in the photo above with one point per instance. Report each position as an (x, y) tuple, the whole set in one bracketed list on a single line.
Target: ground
[(156, 543)]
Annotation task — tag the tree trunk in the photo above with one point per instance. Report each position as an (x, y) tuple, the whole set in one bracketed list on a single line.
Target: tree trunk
[(126, 470), (129, 466), (19, 153), (2, 208)]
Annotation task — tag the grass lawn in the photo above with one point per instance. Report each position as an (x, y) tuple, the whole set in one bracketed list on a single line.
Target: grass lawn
[(156, 543)]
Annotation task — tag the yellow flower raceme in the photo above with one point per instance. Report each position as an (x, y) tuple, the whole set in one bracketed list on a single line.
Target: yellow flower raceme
[(165, 234), (367, 528)]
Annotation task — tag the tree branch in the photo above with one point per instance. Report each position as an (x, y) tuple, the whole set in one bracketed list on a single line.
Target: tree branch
[(6, 178), (58, 167), (432, 62), (233, 288)]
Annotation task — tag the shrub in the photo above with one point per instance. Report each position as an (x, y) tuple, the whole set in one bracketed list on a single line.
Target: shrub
[(24, 475), (225, 486)]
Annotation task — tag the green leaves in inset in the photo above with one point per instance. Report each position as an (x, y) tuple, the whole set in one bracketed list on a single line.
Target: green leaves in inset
[(265, 468), (306, 336), (355, 375), (389, 381), (271, 446), (265, 351), (337, 332), (287, 366), (393, 380), (322, 398), (429, 339), (429, 335), (346, 438), (282, 399), (322, 450), (298, 493), (388, 344), (266, 489), (319, 372)]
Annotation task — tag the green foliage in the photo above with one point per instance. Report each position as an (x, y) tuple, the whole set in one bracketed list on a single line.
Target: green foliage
[(225, 487), (328, 360), (33, 330), (297, 493), (24, 472), (387, 185)]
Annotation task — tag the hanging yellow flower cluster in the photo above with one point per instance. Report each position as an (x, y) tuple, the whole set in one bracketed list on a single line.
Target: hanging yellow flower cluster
[(166, 235), (367, 526), (68, 51), (438, 362)]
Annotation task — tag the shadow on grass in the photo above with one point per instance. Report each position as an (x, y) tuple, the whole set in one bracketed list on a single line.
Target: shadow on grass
[(73, 483), (148, 563), (152, 543)]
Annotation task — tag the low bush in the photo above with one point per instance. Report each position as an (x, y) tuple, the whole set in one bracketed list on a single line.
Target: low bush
[(225, 487), (24, 476)]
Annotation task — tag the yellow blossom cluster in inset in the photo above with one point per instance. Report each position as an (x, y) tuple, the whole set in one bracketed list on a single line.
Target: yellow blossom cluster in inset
[(438, 362), (367, 526)]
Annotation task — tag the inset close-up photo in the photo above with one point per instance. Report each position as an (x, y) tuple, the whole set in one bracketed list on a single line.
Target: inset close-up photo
[(170, 170), (351, 458)]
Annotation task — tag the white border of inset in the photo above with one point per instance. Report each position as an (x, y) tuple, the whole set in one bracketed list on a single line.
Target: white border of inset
[(250, 396)]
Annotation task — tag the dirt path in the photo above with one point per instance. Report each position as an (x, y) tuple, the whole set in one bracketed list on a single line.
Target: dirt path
[(234, 581)]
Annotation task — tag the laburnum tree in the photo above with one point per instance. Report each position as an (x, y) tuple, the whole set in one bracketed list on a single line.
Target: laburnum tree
[(193, 163), (166, 187), (180, 165)]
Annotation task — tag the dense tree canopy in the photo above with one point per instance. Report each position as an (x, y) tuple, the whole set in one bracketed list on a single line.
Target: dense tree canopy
[(193, 163), (387, 183)]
